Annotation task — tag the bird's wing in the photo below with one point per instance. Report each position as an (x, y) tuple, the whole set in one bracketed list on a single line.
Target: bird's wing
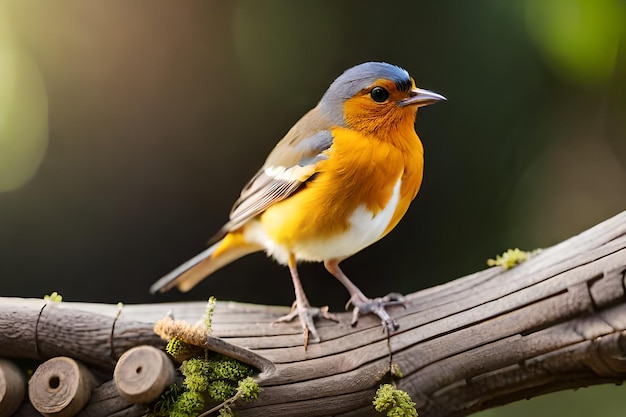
[(292, 162)]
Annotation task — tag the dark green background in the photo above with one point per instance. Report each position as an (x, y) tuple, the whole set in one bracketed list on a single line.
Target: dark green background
[(158, 113)]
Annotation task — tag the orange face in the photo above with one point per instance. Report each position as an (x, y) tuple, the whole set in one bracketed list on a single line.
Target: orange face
[(378, 108)]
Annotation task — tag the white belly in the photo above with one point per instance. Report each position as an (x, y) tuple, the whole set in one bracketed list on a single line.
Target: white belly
[(365, 229)]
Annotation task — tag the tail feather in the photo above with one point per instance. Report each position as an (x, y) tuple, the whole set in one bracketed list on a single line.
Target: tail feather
[(190, 273)]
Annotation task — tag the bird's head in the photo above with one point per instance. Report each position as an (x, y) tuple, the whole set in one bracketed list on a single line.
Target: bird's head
[(375, 96)]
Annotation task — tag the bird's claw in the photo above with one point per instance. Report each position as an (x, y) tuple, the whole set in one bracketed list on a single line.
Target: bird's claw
[(307, 314), (377, 306)]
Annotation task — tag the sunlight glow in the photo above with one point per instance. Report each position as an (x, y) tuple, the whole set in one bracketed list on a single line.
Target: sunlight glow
[(23, 113)]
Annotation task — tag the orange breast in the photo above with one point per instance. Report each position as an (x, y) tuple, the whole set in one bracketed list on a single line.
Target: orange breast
[(361, 171)]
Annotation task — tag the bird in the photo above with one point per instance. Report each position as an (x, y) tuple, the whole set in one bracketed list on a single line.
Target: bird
[(339, 180)]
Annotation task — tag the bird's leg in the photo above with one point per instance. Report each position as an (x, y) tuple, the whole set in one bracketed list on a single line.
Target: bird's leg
[(303, 309), (364, 305)]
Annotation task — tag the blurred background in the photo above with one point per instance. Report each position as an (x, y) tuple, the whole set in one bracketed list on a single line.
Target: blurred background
[(127, 130)]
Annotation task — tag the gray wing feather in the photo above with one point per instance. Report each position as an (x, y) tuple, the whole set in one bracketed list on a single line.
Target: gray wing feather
[(264, 190)]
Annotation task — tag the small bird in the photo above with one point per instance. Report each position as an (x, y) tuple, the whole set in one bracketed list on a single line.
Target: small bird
[(339, 180)]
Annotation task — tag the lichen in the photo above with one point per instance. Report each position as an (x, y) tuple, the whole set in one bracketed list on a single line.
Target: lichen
[(208, 315)]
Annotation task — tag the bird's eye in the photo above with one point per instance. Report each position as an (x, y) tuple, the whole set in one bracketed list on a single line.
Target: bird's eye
[(379, 94)]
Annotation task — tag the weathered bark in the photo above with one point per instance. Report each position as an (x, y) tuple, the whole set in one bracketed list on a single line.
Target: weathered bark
[(557, 321)]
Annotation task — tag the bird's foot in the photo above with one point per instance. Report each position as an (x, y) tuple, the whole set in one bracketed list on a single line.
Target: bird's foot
[(307, 314), (364, 305)]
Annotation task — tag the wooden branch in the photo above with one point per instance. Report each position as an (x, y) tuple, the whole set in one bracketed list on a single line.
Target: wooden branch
[(557, 321)]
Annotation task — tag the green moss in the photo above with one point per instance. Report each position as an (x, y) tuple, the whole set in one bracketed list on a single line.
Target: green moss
[(182, 351), (510, 258), (225, 368), (394, 402), (221, 390), (196, 373), (189, 404), (175, 347), (54, 297), (248, 389), (217, 376)]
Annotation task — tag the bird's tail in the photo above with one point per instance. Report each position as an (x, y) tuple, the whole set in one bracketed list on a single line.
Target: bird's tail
[(186, 276)]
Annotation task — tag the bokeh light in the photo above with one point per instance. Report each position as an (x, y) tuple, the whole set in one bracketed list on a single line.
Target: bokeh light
[(23, 112), (580, 38)]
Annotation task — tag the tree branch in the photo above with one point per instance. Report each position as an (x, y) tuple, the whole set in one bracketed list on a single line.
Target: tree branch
[(555, 322)]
